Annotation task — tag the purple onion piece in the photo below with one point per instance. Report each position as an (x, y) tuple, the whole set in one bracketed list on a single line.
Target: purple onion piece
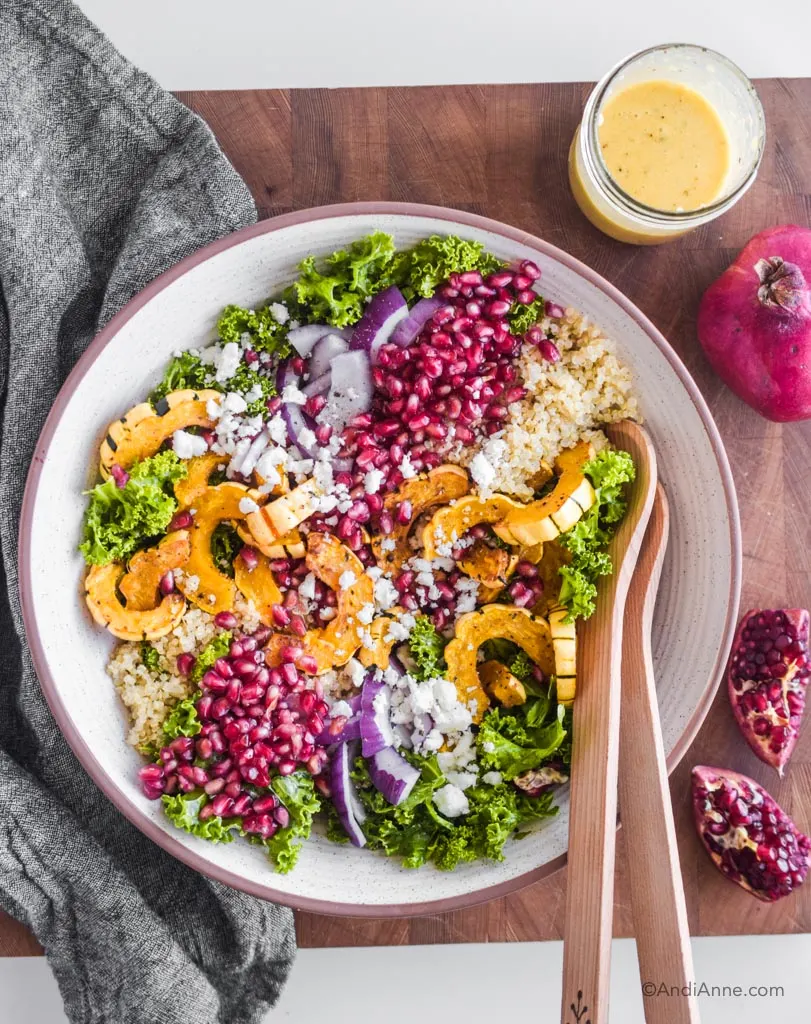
[(330, 346), (303, 339), (406, 331), (375, 727), (392, 775), (344, 796), (384, 312)]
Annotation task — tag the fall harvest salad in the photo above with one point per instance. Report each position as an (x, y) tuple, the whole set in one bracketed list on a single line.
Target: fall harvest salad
[(345, 544)]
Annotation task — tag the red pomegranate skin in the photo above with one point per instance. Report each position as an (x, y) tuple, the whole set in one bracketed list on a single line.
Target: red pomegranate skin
[(754, 323)]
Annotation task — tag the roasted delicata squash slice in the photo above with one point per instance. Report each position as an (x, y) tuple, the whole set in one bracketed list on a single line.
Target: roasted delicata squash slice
[(141, 432), (140, 583), (258, 586), (554, 557), (564, 643), (545, 519), (214, 591), (290, 546), (380, 654), (490, 622), (127, 623), (282, 515), (492, 567), (438, 487), (198, 474), (333, 563), (501, 684), (451, 522)]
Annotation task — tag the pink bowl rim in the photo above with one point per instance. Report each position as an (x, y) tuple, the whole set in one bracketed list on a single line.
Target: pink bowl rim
[(50, 687)]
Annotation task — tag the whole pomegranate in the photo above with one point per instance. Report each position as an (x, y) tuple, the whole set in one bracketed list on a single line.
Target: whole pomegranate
[(754, 323), (749, 836), (767, 678)]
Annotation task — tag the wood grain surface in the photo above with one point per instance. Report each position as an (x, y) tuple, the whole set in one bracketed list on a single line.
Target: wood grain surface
[(501, 151)]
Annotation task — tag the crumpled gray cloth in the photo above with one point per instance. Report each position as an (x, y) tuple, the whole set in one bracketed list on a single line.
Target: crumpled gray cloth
[(105, 181)]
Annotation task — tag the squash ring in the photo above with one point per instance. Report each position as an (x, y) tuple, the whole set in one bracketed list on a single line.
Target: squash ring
[(126, 623), (494, 620), (140, 583), (141, 431)]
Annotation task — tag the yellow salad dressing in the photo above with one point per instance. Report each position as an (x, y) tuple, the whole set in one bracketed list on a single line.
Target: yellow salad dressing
[(664, 145)]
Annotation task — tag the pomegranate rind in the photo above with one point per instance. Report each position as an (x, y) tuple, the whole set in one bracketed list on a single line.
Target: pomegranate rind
[(761, 849), (761, 706)]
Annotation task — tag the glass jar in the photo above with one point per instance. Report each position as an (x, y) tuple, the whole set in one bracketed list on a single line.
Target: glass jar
[(724, 86)]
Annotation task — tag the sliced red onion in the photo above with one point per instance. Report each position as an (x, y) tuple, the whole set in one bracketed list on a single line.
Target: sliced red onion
[(318, 386), (407, 330), (303, 339), (392, 775), (375, 725), (350, 731), (330, 346), (351, 389), (292, 413), (382, 315), (344, 796)]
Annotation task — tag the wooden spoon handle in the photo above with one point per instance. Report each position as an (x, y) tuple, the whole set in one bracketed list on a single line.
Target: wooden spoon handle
[(595, 755), (657, 893)]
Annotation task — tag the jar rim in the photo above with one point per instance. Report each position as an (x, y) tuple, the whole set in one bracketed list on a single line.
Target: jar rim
[(593, 157)]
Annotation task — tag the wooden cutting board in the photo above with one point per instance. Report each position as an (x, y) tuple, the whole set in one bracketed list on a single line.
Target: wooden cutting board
[(500, 151)]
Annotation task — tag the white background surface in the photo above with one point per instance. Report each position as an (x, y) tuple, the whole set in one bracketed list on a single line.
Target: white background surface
[(208, 44), (241, 44), (479, 984)]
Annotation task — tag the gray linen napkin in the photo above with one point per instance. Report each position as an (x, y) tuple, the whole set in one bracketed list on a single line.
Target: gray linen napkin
[(105, 181)]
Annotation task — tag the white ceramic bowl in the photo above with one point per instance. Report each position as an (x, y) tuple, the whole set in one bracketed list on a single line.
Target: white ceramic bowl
[(698, 599)]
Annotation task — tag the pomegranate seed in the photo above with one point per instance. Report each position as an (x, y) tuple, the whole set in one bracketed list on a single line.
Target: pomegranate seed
[(181, 521), (530, 270), (549, 351), (185, 663), (404, 512), (119, 474), (554, 310), (225, 620), (274, 404), (314, 405), (280, 615), (500, 279), (298, 625), (526, 297)]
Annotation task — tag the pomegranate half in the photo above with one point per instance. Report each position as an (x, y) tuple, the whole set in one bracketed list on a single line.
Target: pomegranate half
[(767, 678), (754, 323), (749, 837)]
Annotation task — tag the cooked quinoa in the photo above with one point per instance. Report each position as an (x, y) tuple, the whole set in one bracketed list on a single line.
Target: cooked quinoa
[(566, 402)]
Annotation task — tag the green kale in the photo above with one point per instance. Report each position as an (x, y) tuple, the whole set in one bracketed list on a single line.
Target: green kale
[(514, 740), (297, 793), (337, 294), (267, 334), (150, 657), (183, 811), (120, 520), (427, 648), (417, 833), (420, 270), (182, 719), (588, 538), (523, 317), (185, 371), (216, 648), (521, 666), (189, 371), (225, 546)]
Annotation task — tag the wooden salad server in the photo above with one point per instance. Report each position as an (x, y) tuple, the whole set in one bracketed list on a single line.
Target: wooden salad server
[(657, 892), (595, 755)]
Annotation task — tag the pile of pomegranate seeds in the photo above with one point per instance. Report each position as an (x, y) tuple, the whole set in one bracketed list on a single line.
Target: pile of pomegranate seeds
[(256, 722), (749, 836)]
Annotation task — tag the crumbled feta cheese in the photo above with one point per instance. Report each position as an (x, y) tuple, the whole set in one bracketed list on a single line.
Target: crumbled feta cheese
[(492, 778), (451, 801), (433, 741), (366, 614), (340, 707), (388, 544), (307, 586), (488, 747), (396, 633), (279, 312), (386, 594), (306, 437), (372, 481), (346, 579), (356, 671), (291, 395), (277, 429), (406, 467), (464, 780), (187, 446), (234, 402), (247, 505), (254, 393), (482, 472), (227, 362), (213, 409)]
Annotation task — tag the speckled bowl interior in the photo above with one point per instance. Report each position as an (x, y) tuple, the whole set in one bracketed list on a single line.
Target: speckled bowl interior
[(697, 602)]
